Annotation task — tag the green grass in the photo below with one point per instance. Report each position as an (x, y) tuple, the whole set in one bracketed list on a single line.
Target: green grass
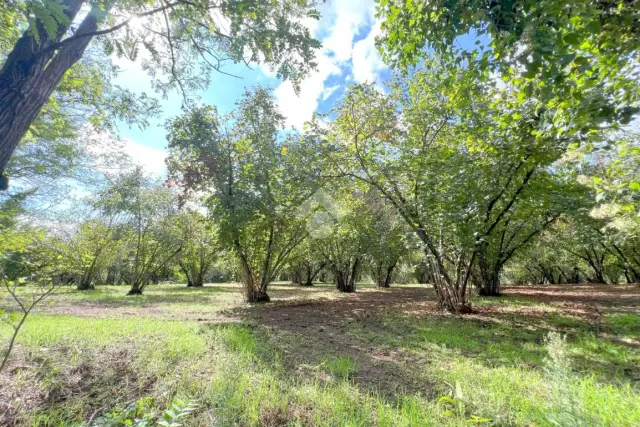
[(477, 370), (625, 325), (342, 367)]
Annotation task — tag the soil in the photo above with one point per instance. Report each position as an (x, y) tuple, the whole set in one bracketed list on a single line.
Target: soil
[(320, 328)]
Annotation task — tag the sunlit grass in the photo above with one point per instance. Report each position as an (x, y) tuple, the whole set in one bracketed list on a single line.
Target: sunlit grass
[(475, 367)]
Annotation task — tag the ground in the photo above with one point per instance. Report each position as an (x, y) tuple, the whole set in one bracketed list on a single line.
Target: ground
[(317, 357)]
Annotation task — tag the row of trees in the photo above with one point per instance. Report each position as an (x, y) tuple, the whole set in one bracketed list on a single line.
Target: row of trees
[(137, 231), (410, 176), (512, 158), (442, 159)]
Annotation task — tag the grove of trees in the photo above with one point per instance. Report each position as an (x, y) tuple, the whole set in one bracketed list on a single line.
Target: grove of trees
[(516, 161)]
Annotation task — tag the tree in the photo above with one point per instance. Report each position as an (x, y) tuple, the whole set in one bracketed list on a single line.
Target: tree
[(613, 175), (183, 40), (574, 59), (35, 269), (200, 248), (366, 143), (150, 237), (386, 237), (463, 163), (306, 263), (90, 249), (338, 224), (343, 251), (253, 181)]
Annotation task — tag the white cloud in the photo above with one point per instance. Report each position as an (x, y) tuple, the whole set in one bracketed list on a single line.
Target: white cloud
[(152, 159), (328, 91), (340, 24), (349, 18), (111, 154), (299, 108), (366, 60)]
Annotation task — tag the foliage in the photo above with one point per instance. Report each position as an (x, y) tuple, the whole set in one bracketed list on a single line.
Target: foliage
[(572, 59), (37, 263), (150, 236), (251, 180), (200, 249), (387, 237), (469, 189)]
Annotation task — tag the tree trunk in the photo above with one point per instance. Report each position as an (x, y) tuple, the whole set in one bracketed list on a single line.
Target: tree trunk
[(111, 276), (490, 282), (31, 73), (383, 279), (312, 273), (84, 285), (257, 295), (344, 282), (451, 297), (198, 281), (309, 276), (86, 281), (252, 291), (136, 289), (296, 277)]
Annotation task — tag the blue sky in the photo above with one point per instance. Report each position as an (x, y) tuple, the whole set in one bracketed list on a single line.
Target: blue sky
[(347, 31)]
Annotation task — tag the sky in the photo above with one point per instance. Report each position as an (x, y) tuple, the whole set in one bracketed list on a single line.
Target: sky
[(347, 31)]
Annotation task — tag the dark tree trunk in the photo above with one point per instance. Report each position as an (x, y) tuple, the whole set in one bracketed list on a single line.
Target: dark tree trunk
[(198, 281), (136, 289), (309, 276), (385, 276), (296, 276), (346, 276), (312, 273), (257, 295), (31, 73), (422, 274), (254, 291), (86, 281), (85, 285), (490, 283), (344, 283), (111, 276), (194, 280), (489, 273)]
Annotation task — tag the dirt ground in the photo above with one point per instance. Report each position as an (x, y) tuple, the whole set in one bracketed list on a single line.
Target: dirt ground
[(307, 325)]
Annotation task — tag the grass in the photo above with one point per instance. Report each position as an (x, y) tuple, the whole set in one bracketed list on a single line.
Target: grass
[(342, 367), (492, 368)]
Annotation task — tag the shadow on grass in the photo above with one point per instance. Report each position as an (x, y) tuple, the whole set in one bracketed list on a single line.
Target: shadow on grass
[(392, 336)]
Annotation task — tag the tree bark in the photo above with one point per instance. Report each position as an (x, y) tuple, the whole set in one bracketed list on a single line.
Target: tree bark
[(84, 285), (384, 277), (257, 295), (198, 281), (32, 71), (344, 283), (136, 289), (296, 277), (490, 281)]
